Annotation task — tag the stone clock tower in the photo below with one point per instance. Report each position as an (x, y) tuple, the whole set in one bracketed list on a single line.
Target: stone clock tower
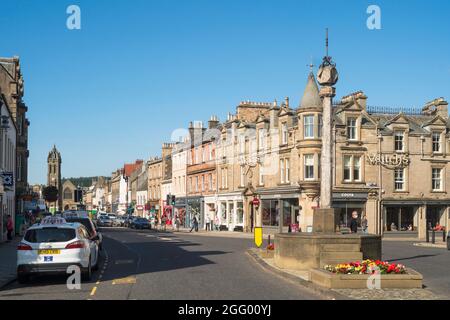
[(54, 173)]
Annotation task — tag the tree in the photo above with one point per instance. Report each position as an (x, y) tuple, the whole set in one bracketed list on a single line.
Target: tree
[(50, 194)]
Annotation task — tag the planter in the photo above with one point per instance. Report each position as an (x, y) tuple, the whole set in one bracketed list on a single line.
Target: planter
[(330, 280)]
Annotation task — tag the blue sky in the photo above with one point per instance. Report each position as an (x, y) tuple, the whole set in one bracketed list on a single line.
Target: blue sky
[(116, 89)]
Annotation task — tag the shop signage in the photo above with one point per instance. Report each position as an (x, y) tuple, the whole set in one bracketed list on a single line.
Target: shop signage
[(255, 201), (390, 161), (350, 195)]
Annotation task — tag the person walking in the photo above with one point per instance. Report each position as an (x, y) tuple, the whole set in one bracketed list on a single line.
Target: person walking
[(194, 224), (354, 222), (216, 222), (9, 228), (208, 222), (364, 224)]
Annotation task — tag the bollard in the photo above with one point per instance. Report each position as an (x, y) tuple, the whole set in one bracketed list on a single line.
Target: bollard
[(433, 235), (428, 234)]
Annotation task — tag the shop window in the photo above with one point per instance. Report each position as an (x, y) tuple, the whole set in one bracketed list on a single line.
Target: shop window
[(270, 213), (230, 212), (308, 127), (290, 212), (436, 141), (223, 211), (351, 129), (240, 212)]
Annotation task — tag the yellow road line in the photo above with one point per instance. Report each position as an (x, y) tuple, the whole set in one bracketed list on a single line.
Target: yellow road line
[(94, 289)]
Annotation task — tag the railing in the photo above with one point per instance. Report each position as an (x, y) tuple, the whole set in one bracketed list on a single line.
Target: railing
[(394, 110)]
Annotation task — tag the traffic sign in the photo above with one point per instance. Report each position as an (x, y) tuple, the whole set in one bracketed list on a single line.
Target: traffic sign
[(258, 236)]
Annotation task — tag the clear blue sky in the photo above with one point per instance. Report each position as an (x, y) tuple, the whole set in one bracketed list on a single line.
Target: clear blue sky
[(114, 90)]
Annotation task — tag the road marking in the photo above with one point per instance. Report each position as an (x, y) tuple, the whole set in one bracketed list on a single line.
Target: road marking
[(94, 289), (126, 280)]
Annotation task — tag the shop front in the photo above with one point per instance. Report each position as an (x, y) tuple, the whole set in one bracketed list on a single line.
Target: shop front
[(209, 210), (180, 210), (280, 212), (230, 210), (345, 203), (195, 207)]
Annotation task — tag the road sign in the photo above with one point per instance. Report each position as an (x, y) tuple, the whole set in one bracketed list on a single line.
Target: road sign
[(258, 236)]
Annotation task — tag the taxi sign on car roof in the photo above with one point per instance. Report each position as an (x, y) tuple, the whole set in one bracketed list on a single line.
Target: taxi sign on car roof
[(76, 214), (53, 220)]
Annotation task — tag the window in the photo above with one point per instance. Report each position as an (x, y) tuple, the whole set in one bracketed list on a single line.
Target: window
[(240, 212), (347, 168), (351, 129), (308, 126), (262, 139), (284, 133), (357, 168), (196, 184), (287, 171), (398, 141), (282, 170), (261, 176), (309, 166), (68, 195), (203, 183), (320, 126), (436, 179), (19, 168), (436, 139), (399, 179)]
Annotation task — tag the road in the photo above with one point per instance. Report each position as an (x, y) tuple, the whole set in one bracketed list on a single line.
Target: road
[(432, 263), (155, 265)]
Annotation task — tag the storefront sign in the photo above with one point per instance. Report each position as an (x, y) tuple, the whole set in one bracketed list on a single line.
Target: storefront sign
[(255, 202), (350, 195), (390, 161)]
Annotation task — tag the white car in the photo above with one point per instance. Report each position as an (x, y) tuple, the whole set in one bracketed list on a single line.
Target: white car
[(52, 246)]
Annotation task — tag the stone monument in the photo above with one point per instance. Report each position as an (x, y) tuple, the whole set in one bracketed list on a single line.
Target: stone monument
[(324, 245)]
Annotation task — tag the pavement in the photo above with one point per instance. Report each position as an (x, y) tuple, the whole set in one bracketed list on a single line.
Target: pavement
[(8, 259)]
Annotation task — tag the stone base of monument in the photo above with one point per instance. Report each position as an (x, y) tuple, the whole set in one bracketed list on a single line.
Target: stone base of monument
[(324, 278), (304, 251)]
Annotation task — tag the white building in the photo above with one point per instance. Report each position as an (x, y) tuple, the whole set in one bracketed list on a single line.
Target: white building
[(179, 173), (8, 133)]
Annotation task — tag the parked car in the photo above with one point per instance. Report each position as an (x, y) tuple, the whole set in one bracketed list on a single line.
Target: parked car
[(83, 218), (128, 221), (119, 222), (105, 221), (140, 223), (52, 246)]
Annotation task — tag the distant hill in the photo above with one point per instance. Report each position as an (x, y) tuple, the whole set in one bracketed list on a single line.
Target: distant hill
[(81, 181)]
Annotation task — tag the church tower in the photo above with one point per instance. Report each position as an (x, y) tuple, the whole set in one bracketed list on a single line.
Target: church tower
[(54, 173)]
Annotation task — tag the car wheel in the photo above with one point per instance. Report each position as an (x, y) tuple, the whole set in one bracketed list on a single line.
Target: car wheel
[(87, 273), (23, 278)]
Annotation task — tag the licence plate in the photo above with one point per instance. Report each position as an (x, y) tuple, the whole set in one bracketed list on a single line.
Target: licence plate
[(49, 251)]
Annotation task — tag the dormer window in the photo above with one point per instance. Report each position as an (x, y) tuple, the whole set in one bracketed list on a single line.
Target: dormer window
[(308, 126), (284, 133), (436, 142), (351, 129), (399, 137)]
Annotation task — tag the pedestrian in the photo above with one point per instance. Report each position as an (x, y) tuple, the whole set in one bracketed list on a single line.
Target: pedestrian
[(194, 223), (364, 224), (177, 222), (208, 222), (216, 222), (9, 227), (163, 222), (354, 222)]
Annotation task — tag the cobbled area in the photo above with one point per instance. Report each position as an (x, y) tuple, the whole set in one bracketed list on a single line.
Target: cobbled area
[(388, 294)]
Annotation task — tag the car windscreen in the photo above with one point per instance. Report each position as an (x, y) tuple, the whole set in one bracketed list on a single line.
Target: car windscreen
[(50, 235), (141, 220), (85, 222)]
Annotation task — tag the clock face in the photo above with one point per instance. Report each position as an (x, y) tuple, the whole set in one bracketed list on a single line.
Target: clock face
[(327, 75)]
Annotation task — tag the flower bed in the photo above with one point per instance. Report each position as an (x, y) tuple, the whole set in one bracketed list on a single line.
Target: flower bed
[(367, 267)]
